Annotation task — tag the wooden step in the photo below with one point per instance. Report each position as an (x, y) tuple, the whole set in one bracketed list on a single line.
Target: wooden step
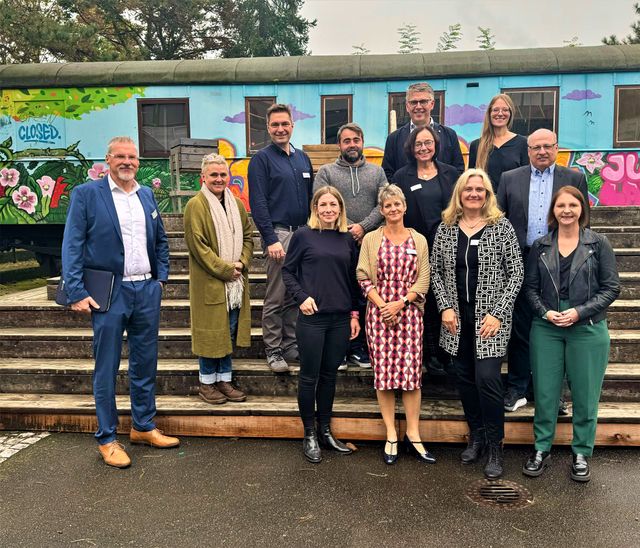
[(277, 417), (179, 262), (177, 243), (621, 236), (615, 216)]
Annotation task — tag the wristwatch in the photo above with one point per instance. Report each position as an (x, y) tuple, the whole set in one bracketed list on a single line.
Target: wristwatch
[(405, 300)]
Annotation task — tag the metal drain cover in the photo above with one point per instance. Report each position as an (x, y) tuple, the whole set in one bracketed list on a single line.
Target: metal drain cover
[(499, 494)]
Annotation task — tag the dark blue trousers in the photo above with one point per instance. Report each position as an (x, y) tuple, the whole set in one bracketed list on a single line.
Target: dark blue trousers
[(136, 310)]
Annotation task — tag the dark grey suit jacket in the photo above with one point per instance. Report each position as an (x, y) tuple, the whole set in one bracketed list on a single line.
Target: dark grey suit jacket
[(513, 194)]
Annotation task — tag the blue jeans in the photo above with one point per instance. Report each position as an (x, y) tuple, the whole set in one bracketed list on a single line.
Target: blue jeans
[(219, 369)]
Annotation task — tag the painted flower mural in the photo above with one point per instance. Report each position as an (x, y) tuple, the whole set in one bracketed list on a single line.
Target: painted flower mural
[(591, 161), (98, 171), (46, 185), (156, 182), (9, 177), (25, 199)]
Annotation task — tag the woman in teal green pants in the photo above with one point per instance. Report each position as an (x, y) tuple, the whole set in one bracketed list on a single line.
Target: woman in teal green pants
[(570, 281)]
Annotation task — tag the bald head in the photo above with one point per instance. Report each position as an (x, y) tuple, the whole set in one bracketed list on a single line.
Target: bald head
[(543, 148)]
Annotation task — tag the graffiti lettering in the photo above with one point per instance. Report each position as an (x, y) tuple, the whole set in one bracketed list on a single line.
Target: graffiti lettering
[(38, 133)]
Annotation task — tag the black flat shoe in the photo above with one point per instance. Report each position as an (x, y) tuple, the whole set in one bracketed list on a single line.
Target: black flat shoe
[(327, 441), (310, 446), (422, 457), (536, 463), (580, 468), (389, 458)]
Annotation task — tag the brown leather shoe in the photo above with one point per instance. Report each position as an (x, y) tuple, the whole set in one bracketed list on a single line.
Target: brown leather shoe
[(210, 394), (230, 391), (114, 454), (154, 438)]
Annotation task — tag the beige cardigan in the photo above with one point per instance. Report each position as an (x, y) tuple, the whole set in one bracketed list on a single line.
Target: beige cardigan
[(368, 262)]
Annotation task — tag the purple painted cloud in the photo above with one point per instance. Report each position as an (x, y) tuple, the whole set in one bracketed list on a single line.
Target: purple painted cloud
[(236, 118), (299, 115), (459, 115), (581, 95), (241, 117)]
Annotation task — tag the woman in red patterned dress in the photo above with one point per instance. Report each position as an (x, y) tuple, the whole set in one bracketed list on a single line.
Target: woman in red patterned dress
[(393, 272)]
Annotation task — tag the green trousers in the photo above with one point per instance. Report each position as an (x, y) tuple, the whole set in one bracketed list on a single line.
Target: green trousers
[(580, 352)]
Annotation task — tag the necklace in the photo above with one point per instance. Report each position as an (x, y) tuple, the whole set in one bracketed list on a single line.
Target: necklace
[(471, 227)]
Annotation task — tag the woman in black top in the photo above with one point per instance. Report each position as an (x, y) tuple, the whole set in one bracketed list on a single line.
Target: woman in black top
[(427, 185), (319, 274), (498, 149)]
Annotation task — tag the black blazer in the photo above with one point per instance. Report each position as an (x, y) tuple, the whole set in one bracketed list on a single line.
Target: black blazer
[(406, 178), (448, 151), (513, 194)]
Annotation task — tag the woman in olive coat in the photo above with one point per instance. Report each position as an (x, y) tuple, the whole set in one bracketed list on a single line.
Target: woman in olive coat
[(218, 234)]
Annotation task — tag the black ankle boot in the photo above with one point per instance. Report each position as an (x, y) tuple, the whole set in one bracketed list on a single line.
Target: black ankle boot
[(475, 448), (327, 441), (495, 461), (310, 445)]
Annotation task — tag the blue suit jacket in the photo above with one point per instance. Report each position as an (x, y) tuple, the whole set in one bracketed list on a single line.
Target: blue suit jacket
[(92, 237)]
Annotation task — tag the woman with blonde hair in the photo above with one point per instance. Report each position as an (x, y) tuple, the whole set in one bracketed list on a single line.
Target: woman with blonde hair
[(393, 271), (499, 149), (319, 274), (476, 275)]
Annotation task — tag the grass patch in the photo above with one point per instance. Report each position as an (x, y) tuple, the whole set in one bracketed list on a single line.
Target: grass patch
[(22, 285)]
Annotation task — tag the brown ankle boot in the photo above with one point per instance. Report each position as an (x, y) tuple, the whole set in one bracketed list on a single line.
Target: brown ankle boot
[(230, 391), (210, 394)]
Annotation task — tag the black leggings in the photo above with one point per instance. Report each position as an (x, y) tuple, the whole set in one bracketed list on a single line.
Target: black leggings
[(479, 381), (322, 345)]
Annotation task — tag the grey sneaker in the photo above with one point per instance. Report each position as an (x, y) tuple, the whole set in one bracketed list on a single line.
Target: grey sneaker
[(276, 362), (343, 365)]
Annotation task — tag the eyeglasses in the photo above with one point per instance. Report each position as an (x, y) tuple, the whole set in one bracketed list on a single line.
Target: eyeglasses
[(420, 144), (421, 102), (122, 157), (279, 124), (497, 110), (546, 148)]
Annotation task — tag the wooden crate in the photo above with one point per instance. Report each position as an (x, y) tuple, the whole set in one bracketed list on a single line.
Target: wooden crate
[(186, 157)]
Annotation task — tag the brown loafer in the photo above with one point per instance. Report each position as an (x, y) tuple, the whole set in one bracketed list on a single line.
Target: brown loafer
[(154, 438), (230, 391), (114, 454), (210, 394)]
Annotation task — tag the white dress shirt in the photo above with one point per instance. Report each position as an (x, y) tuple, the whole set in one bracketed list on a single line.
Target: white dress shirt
[(134, 231)]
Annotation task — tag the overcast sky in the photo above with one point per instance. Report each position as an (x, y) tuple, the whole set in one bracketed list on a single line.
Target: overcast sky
[(515, 23)]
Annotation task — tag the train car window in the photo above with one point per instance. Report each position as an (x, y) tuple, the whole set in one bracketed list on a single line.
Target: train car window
[(256, 122), (535, 109), (161, 123), (336, 111), (397, 103), (626, 126)]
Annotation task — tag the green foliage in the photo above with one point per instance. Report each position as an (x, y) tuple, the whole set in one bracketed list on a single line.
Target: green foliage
[(632, 38), (409, 40), (485, 39), (360, 50), (449, 39)]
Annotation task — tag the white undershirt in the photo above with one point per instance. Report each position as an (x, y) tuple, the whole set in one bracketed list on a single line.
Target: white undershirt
[(134, 229)]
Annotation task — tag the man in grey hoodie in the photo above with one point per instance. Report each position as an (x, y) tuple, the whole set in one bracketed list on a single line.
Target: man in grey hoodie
[(359, 183)]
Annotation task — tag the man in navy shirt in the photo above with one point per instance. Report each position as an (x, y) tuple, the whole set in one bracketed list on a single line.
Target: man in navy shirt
[(419, 104), (280, 188)]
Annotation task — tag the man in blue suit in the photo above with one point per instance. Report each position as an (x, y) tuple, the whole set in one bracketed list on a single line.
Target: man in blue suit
[(113, 225)]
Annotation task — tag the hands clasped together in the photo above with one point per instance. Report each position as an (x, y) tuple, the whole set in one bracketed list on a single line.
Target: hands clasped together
[(562, 319), (489, 326)]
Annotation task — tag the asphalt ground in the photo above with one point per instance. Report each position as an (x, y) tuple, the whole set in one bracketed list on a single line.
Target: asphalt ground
[(239, 492)]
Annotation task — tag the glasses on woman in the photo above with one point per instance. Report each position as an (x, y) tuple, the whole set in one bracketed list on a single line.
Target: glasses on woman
[(499, 110), (421, 144)]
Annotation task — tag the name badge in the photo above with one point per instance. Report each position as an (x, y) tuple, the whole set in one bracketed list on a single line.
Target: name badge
[(306, 175), (154, 213), (411, 252), (416, 187), (474, 242)]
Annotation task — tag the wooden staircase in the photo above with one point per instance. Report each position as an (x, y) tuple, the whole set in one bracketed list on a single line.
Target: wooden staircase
[(46, 367)]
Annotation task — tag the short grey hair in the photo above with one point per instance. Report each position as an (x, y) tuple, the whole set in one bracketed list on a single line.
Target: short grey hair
[(119, 141), (213, 159), (420, 87), (390, 191)]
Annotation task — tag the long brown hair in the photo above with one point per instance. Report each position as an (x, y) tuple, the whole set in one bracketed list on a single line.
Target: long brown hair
[(485, 146), (583, 220)]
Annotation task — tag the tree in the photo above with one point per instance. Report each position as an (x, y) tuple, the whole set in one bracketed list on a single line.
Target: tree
[(485, 39), (633, 38), (360, 50), (449, 39), (573, 43), (409, 41)]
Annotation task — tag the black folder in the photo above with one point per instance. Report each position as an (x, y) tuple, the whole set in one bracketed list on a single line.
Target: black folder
[(99, 285)]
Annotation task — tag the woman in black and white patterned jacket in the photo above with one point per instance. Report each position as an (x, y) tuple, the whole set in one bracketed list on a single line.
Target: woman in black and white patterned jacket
[(476, 275)]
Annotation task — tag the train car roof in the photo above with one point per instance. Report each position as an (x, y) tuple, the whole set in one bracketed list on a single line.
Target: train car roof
[(326, 68)]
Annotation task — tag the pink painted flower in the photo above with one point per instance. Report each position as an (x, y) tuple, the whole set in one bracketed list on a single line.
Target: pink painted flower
[(98, 171), (46, 185), (591, 160), (156, 183), (9, 177), (25, 199)]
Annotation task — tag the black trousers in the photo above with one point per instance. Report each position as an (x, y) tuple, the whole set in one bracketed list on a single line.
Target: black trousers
[(519, 373), (479, 381), (322, 344), (431, 337)]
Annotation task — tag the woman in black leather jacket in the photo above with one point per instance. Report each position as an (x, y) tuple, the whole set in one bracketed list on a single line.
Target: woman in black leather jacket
[(570, 281)]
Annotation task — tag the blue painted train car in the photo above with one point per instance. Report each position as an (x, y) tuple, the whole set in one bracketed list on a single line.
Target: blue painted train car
[(56, 119)]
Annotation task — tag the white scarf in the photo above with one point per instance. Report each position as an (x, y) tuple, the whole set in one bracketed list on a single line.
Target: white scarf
[(229, 233)]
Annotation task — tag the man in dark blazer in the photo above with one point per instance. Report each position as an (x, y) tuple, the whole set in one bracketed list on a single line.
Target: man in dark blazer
[(419, 104), (524, 194), (113, 225)]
